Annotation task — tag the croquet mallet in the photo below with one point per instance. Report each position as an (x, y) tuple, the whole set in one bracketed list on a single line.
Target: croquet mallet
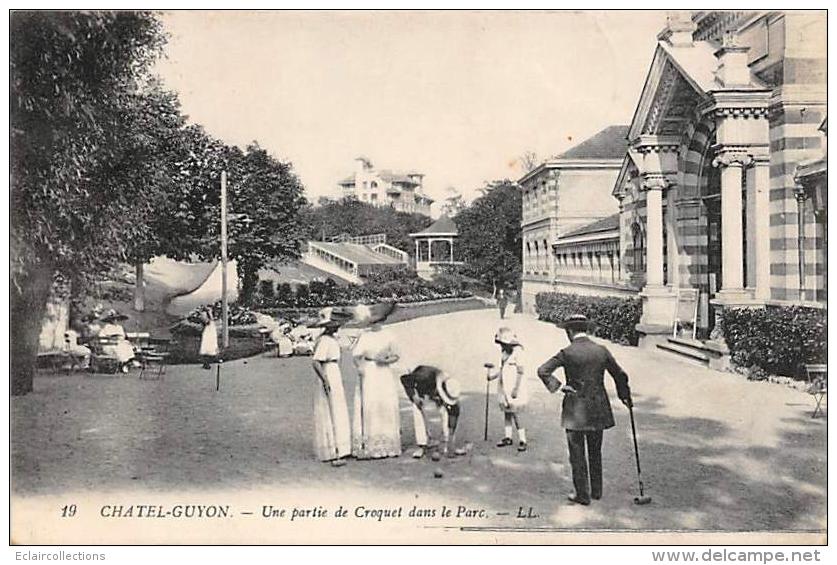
[(488, 367), (642, 499)]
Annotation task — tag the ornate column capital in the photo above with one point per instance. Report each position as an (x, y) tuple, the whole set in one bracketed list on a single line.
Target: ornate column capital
[(733, 157), (656, 181), (800, 193)]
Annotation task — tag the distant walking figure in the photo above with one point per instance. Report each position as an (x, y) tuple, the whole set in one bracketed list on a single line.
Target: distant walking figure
[(585, 411), (502, 303)]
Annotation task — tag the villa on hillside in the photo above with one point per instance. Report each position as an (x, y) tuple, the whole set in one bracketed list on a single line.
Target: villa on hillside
[(382, 187)]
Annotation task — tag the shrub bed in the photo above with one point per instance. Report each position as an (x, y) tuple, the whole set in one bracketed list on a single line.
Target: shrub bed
[(775, 340), (402, 313), (615, 318), (246, 338), (186, 348), (400, 285)]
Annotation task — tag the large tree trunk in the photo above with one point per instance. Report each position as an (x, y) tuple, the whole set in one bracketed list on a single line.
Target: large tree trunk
[(28, 305), (139, 288)]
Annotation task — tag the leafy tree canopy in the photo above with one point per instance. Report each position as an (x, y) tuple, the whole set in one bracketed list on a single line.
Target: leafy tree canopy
[(79, 109), (490, 235)]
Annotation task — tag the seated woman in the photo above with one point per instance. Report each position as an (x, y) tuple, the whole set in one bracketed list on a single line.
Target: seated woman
[(302, 339), (121, 349), (284, 345)]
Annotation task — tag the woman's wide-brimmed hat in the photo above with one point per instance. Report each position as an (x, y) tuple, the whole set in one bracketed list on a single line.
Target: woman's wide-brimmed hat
[(449, 389), (577, 323), (506, 336), (365, 315), (330, 318), (114, 316)]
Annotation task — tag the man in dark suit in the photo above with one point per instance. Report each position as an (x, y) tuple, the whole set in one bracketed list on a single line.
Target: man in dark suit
[(585, 412)]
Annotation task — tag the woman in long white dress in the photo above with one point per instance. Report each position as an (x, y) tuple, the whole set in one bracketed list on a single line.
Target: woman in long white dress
[(376, 424), (332, 433), (209, 339), (121, 348)]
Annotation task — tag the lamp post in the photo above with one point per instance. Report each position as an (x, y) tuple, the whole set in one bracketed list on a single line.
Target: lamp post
[(225, 332), (235, 219)]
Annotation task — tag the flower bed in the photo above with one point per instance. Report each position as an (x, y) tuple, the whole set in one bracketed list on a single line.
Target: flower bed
[(402, 313), (615, 318), (400, 285), (185, 348), (246, 336), (775, 340)]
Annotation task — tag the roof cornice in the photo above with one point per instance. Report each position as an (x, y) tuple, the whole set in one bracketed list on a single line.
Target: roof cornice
[(572, 164)]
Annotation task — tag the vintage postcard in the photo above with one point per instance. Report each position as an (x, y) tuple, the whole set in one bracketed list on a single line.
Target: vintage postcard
[(418, 277)]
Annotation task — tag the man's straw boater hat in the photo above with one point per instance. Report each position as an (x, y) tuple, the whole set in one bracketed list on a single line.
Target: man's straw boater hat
[(577, 323), (506, 336), (449, 389)]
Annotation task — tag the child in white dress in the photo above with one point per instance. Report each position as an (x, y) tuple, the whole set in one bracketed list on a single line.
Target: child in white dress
[(512, 390)]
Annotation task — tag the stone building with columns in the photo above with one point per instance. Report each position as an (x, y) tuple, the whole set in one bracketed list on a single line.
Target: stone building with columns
[(559, 196), (708, 195)]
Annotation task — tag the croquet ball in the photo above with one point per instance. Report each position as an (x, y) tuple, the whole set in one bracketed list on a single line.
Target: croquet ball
[(435, 456), (438, 474)]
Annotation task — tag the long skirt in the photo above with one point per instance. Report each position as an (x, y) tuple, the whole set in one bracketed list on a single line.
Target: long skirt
[(284, 346), (332, 436), (209, 340), (122, 350), (376, 424)]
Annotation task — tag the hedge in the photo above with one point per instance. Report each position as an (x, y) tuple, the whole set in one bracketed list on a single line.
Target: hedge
[(615, 318), (776, 340), (397, 284)]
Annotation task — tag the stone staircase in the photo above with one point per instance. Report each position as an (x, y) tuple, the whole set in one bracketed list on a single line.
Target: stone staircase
[(689, 350)]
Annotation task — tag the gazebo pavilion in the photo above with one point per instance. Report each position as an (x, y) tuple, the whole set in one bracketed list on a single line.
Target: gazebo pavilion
[(434, 246)]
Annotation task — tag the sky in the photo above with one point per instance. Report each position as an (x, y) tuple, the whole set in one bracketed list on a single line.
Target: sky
[(458, 95)]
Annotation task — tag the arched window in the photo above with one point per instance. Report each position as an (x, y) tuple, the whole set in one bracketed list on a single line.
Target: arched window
[(374, 184)]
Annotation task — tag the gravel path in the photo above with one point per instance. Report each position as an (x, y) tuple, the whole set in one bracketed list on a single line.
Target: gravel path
[(720, 454)]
